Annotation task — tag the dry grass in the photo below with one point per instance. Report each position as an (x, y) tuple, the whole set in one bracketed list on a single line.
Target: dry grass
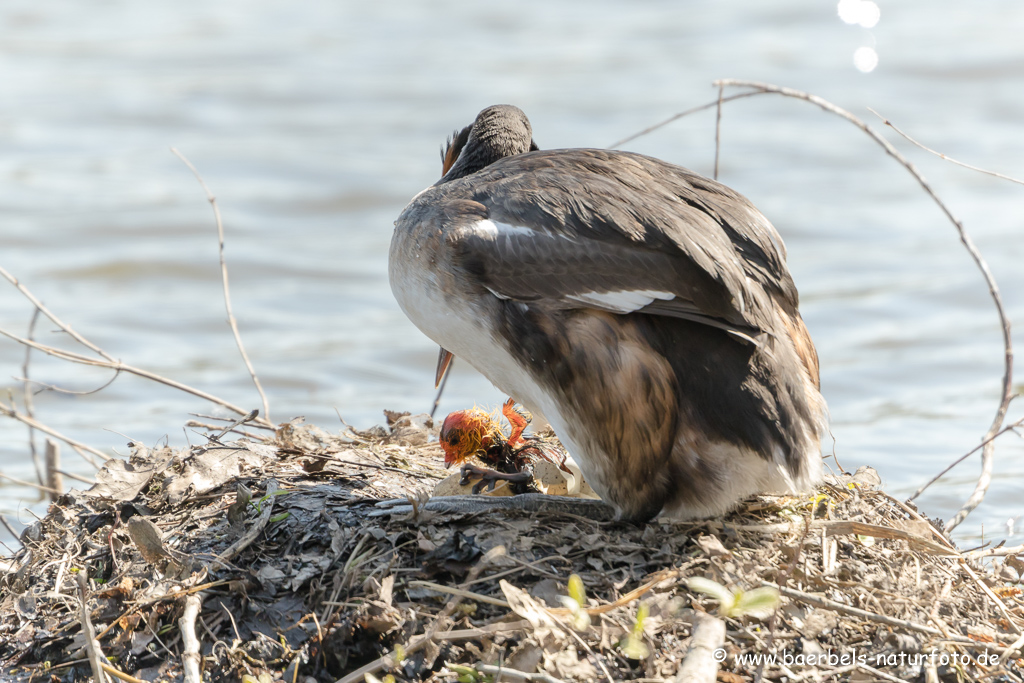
[(319, 581)]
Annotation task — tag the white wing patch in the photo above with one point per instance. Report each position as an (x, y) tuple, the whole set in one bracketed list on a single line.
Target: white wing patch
[(621, 301), (488, 228)]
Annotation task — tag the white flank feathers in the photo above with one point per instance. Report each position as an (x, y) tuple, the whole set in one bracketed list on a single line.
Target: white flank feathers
[(622, 301)]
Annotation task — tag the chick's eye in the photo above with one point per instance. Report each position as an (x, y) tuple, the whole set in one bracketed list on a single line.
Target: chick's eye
[(453, 438)]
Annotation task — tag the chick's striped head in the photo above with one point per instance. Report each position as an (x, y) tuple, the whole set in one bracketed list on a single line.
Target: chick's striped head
[(466, 433)]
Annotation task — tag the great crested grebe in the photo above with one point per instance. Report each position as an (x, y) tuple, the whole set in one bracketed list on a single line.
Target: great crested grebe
[(645, 312)]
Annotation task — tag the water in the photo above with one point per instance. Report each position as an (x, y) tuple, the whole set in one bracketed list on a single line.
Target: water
[(314, 123)]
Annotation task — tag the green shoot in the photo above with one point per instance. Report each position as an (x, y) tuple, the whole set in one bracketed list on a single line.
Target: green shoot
[(633, 645), (576, 603), (759, 603)]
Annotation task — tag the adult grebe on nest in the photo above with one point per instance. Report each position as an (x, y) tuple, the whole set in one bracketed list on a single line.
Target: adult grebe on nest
[(644, 311)]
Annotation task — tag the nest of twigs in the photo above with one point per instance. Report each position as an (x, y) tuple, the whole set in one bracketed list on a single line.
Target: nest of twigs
[(272, 558)]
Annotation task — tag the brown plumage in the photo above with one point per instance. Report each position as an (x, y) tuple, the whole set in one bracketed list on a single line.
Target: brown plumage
[(642, 310)]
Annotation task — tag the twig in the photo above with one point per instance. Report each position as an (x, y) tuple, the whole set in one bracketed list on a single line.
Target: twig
[(940, 154), (254, 531), (1008, 652), (230, 419), (10, 411), (29, 408), (962, 559), (7, 525), (991, 596), (700, 665), (880, 674), (718, 129), (57, 321), (120, 674), (224, 280), (987, 441), (987, 455), (118, 365), (582, 643), (213, 428), (253, 414), (523, 565), (78, 477), (504, 673), (676, 117), (92, 646), (635, 594), (22, 482), (54, 478), (62, 390), (190, 652), (817, 601), (431, 632), (460, 592), (1001, 551), (773, 623)]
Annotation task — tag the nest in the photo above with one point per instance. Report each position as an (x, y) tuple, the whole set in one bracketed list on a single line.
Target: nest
[(274, 558)]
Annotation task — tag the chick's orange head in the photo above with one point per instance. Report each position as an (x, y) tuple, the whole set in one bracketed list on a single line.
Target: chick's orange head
[(466, 433)]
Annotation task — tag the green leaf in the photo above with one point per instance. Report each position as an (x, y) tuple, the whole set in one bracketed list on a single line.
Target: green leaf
[(466, 674), (759, 603), (576, 590), (633, 645), (634, 648), (725, 597)]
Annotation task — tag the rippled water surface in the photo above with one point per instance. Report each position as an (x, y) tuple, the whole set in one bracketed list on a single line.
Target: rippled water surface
[(314, 123)]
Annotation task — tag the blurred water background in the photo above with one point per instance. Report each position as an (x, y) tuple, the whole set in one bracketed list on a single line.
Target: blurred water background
[(315, 122)]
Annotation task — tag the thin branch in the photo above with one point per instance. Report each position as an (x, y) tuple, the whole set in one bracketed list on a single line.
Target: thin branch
[(229, 419), (676, 117), (505, 674), (92, 646), (61, 390), (119, 674), (214, 428), (1001, 551), (825, 603), (78, 477), (440, 588), (880, 674), (190, 658), (252, 415), (257, 527), (11, 411), (224, 280), (700, 665), (54, 475), (718, 128), (987, 455), (431, 632), (1008, 428), (118, 365), (940, 154), (22, 482), (27, 399), (57, 321)]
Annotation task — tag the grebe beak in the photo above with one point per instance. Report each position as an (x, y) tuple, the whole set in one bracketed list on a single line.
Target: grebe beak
[(444, 359)]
